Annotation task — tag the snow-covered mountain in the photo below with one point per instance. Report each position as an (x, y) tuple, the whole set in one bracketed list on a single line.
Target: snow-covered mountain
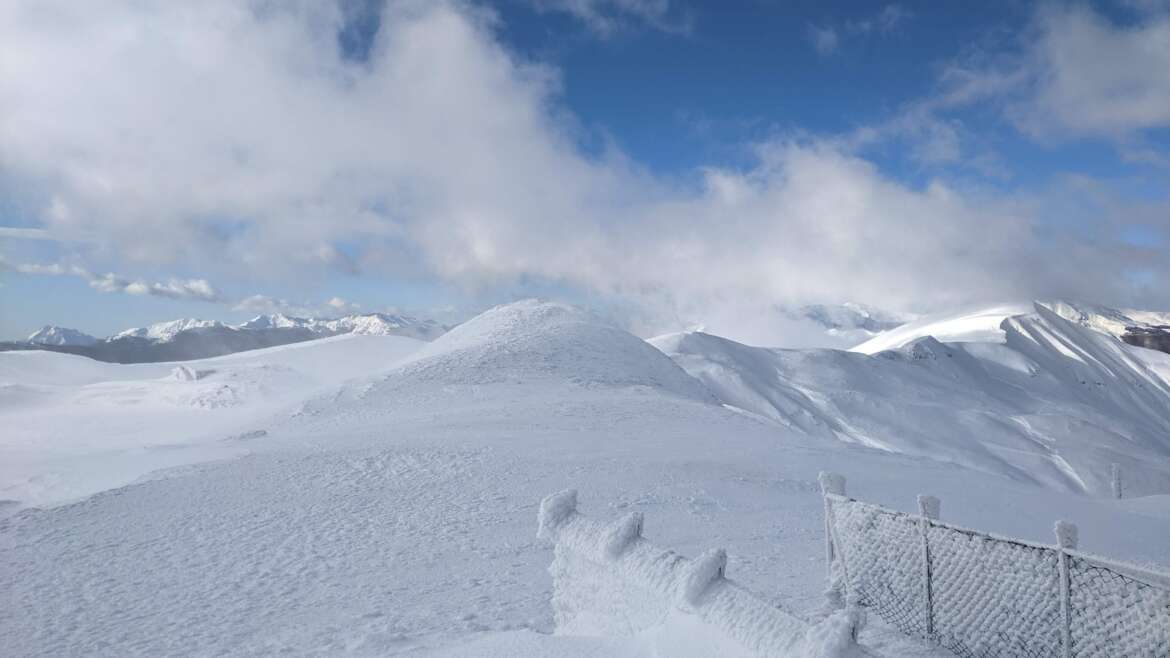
[(195, 339), (850, 317), (54, 335), (1141, 328), (838, 326), (164, 332), (374, 495), (1039, 397)]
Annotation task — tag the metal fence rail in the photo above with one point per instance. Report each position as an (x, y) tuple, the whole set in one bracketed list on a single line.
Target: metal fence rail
[(978, 594)]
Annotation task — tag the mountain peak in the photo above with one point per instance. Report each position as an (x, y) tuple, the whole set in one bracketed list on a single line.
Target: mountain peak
[(165, 331), (54, 335)]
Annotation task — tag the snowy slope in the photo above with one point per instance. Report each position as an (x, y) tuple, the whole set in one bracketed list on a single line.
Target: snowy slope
[(531, 339), (394, 513), (983, 324), (1054, 404), (75, 426), (979, 325)]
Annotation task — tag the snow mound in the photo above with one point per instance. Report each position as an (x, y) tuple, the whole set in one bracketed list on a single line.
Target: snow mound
[(1055, 404), (534, 340)]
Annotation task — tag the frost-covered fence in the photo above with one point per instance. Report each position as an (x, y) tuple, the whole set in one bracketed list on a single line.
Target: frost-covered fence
[(978, 594), (609, 581)]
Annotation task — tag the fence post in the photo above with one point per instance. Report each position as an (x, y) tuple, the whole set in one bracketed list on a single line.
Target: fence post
[(831, 483), (1115, 479), (1066, 538), (929, 508)]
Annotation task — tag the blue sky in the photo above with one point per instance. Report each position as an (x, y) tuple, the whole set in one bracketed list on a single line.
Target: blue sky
[(696, 161)]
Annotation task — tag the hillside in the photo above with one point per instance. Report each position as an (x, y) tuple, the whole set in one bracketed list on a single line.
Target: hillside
[(1054, 403), (375, 496)]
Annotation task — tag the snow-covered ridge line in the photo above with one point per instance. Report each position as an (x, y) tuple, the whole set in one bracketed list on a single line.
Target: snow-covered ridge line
[(985, 325), (367, 323), (187, 339), (608, 580), (161, 332), (1052, 402)]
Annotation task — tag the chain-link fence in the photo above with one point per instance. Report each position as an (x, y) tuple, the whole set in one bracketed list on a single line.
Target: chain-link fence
[(981, 595)]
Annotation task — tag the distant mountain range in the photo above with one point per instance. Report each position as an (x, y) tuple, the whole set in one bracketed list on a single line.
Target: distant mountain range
[(181, 340)]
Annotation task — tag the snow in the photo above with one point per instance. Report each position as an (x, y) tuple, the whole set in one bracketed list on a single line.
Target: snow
[(52, 335), (376, 495), (138, 418), (601, 592), (166, 331), (1053, 404), (375, 324), (981, 325)]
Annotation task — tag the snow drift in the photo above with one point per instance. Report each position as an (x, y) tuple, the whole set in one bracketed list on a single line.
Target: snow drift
[(610, 582)]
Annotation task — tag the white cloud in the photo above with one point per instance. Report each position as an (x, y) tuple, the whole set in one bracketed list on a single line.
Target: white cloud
[(195, 289), (267, 305), (192, 289), (824, 39), (606, 17), (1078, 75), (264, 304), (24, 233), (340, 305), (208, 135), (827, 38), (888, 19)]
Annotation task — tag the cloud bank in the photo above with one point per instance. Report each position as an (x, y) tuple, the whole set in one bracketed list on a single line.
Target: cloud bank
[(240, 136), (193, 289)]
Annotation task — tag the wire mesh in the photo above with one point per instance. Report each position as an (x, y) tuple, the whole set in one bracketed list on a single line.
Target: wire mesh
[(1116, 615), (994, 598), (884, 567)]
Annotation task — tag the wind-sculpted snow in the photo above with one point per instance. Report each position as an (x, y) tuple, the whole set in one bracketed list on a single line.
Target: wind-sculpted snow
[(1056, 403), (981, 325), (360, 499), (531, 340), (620, 589), (74, 426)]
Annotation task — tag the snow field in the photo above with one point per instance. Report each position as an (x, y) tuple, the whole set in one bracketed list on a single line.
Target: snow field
[(384, 505)]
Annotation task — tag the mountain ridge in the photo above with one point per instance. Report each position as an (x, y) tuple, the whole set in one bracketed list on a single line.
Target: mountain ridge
[(189, 338)]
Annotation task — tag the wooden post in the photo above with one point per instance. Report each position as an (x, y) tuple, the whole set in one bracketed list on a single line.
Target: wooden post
[(1115, 479), (831, 483), (929, 508), (1066, 538)]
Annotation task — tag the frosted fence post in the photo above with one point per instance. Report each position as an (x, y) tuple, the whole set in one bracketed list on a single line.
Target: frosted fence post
[(929, 508), (1066, 538), (1115, 479), (831, 483)]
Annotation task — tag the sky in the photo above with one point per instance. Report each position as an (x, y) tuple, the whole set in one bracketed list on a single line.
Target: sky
[(677, 163)]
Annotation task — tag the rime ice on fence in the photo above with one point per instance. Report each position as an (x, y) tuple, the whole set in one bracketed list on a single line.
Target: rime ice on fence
[(608, 580), (981, 595)]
